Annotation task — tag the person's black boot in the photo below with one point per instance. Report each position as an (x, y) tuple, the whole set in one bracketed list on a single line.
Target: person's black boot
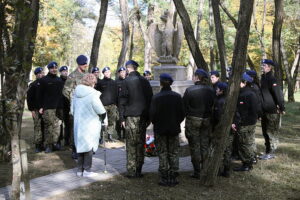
[(38, 148), (196, 173), (110, 138), (74, 153), (226, 172), (164, 179), (101, 140), (173, 179), (139, 172), (243, 168), (57, 147), (48, 149)]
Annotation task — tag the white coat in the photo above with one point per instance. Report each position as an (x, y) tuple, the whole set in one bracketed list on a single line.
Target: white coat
[(85, 108)]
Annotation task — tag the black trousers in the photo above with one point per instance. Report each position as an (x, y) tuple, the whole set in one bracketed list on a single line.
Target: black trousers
[(85, 161)]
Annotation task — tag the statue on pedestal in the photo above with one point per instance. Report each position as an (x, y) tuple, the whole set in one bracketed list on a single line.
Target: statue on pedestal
[(166, 38)]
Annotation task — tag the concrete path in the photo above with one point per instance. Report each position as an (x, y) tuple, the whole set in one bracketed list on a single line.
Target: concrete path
[(58, 183)]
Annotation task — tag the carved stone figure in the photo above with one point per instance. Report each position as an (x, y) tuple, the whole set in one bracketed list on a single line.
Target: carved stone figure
[(166, 38)]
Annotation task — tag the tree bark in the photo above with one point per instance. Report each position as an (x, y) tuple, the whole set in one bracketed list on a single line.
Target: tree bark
[(212, 63), (277, 26), (189, 35), (131, 41), (209, 173), (98, 34), (220, 38), (235, 23), (125, 32), (191, 66)]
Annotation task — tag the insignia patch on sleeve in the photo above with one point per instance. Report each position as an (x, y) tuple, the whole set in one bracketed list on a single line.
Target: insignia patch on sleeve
[(274, 84)]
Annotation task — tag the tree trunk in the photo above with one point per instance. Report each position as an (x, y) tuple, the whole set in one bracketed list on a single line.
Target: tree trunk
[(235, 23), (261, 32), (19, 63), (125, 32), (189, 35), (212, 63), (191, 66), (209, 173), (98, 34), (131, 41), (287, 73), (277, 26), (220, 38)]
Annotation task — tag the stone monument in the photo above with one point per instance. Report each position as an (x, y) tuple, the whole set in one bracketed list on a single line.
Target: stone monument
[(166, 39)]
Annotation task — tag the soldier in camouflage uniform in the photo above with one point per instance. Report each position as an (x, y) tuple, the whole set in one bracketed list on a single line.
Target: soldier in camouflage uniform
[(50, 103), (198, 102), (32, 103), (273, 106), (166, 114), (135, 99), (73, 80), (244, 123)]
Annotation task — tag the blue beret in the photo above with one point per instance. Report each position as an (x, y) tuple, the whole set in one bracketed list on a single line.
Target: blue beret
[(147, 72), (165, 76), (216, 73), (247, 78), (105, 69), (121, 69), (63, 68), (95, 69), (132, 62), (38, 70), (222, 86), (267, 61), (52, 64), (201, 72), (251, 73), (82, 60)]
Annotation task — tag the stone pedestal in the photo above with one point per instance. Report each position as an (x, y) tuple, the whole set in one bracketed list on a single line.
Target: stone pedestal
[(179, 85)]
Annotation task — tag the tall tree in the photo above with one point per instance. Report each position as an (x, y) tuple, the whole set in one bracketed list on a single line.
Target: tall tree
[(125, 32), (189, 35), (18, 66), (277, 26), (209, 173), (212, 62), (98, 34), (262, 30), (220, 37)]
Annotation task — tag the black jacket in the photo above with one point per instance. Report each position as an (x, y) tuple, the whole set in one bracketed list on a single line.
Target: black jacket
[(271, 94), (65, 100), (135, 96), (109, 91), (50, 92), (257, 91), (218, 109), (166, 112), (199, 100), (32, 95), (246, 112)]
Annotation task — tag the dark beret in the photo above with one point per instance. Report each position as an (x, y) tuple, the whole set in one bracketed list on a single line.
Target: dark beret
[(201, 72), (63, 68), (105, 69), (38, 70), (166, 77), (132, 62), (247, 78), (82, 60), (216, 73), (251, 73), (52, 64), (147, 72), (268, 62), (95, 69), (121, 69), (222, 86)]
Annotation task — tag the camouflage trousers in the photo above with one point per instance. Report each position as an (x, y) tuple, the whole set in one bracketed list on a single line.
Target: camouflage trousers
[(112, 114), (168, 149), (38, 127), (52, 126), (270, 129), (228, 150), (135, 140), (197, 131), (247, 145)]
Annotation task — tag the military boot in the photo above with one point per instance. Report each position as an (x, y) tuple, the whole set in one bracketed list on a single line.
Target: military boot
[(164, 179), (226, 172), (173, 179), (48, 149), (57, 147), (139, 172), (38, 148), (244, 168), (110, 138), (74, 153), (196, 173)]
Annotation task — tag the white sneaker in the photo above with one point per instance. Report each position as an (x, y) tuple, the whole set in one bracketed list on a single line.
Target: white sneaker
[(79, 174), (89, 174)]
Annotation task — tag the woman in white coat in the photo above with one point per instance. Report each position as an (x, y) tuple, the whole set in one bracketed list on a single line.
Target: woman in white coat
[(89, 114)]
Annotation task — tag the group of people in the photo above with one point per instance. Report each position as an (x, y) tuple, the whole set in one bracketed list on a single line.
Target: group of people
[(127, 103)]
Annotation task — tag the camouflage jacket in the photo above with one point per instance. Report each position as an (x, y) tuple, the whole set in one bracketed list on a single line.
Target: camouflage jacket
[(73, 80)]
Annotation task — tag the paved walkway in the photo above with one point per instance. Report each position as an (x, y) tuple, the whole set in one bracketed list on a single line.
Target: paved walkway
[(58, 183)]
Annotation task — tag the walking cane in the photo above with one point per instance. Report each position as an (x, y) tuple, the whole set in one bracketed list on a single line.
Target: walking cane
[(104, 130)]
